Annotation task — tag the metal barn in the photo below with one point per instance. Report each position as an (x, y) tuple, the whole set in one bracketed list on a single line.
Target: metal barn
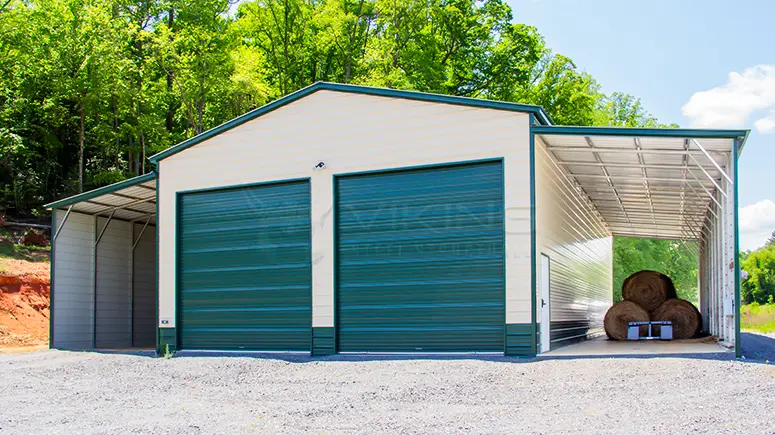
[(349, 219)]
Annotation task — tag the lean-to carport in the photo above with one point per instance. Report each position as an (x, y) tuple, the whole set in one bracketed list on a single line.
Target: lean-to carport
[(676, 184), (103, 267)]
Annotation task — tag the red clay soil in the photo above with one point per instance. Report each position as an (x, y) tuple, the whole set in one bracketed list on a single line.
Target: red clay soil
[(24, 303)]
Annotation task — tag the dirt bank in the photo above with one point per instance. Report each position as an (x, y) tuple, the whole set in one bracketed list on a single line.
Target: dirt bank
[(24, 303)]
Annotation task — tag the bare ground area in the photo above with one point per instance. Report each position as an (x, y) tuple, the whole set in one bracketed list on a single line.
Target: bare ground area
[(24, 300), (72, 392)]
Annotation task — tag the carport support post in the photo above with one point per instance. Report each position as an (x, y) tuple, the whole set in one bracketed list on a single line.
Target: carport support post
[(94, 285), (736, 235)]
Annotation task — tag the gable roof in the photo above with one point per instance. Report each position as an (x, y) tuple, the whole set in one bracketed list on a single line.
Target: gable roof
[(541, 116)]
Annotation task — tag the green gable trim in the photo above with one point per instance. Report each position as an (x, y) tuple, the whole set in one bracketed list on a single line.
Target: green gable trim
[(520, 339), (102, 191), (640, 132), (355, 89), (323, 341), (166, 336)]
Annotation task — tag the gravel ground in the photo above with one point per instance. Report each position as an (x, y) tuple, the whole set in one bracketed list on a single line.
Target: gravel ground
[(72, 392)]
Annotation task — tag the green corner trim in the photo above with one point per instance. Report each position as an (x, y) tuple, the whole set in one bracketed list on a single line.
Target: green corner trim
[(167, 336), (520, 339), (323, 341), (355, 89), (102, 190)]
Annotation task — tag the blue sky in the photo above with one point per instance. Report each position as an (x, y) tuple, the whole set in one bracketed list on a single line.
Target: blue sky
[(667, 52)]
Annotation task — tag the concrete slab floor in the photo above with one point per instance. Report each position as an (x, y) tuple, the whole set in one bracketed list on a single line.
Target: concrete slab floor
[(602, 346)]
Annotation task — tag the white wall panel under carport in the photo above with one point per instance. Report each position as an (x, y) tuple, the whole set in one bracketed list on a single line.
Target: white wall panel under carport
[(716, 263), (71, 296), (118, 321), (579, 245)]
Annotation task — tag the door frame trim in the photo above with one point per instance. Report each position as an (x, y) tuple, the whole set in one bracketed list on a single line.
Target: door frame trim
[(546, 324)]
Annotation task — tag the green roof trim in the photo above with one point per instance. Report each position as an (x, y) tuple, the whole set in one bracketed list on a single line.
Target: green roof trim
[(102, 191), (683, 133), (641, 132), (541, 115)]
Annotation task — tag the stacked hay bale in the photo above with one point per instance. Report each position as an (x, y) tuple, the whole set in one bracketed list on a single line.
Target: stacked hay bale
[(650, 295)]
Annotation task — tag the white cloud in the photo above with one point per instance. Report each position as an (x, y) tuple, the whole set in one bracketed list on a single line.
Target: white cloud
[(757, 222), (766, 125), (730, 105)]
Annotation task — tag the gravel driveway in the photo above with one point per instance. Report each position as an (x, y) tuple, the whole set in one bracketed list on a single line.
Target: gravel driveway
[(71, 392)]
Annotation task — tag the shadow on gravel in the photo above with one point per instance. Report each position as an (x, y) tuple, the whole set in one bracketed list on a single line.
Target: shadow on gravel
[(757, 349)]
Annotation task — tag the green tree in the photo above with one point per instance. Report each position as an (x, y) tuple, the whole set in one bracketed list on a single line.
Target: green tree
[(759, 265), (88, 88)]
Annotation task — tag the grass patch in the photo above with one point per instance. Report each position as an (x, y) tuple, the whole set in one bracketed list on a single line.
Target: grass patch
[(760, 318), (10, 249)]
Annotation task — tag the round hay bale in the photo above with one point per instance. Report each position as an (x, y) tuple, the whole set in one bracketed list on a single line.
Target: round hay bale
[(648, 289), (619, 315), (686, 319)]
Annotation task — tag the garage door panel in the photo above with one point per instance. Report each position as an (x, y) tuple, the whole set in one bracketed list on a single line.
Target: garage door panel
[(457, 291), (416, 340), (245, 268), (235, 338), (421, 260), (263, 259)]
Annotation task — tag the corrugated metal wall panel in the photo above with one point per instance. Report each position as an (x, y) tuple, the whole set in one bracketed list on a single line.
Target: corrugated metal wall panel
[(580, 250), (144, 290), (245, 268), (72, 291), (114, 309), (421, 260)]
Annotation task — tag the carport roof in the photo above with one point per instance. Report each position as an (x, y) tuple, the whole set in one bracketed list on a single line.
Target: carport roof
[(130, 200), (654, 183)]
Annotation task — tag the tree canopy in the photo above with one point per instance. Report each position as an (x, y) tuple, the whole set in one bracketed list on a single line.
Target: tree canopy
[(90, 88), (758, 283)]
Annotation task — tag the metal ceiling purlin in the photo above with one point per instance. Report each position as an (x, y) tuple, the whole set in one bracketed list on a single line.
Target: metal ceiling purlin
[(126, 206), (607, 175), (712, 160), (662, 151), (624, 165), (642, 163), (665, 202)]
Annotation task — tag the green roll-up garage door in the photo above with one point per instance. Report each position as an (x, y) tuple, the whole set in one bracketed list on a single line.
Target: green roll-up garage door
[(421, 260), (244, 268)]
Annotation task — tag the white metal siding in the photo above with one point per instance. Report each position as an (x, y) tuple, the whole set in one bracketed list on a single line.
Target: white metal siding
[(353, 133), (579, 245), (114, 307), (73, 282), (144, 291), (716, 266)]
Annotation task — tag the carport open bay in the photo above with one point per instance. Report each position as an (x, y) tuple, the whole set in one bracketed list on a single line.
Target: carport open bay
[(82, 392)]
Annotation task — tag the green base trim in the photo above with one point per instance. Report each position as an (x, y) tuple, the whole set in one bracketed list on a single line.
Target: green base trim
[(520, 340), (167, 336), (323, 341)]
